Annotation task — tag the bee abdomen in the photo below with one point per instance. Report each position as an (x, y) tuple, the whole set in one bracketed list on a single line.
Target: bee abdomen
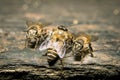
[(52, 56)]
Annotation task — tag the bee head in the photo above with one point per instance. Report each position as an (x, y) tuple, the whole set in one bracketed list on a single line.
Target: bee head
[(35, 26), (31, 43), (32, 33), (78, 45), (31, 36)]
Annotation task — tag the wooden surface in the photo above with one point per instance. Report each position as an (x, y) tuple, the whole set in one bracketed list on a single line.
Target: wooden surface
[(97, 18)]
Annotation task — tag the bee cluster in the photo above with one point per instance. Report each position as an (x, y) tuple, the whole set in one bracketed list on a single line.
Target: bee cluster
[(58, 41)]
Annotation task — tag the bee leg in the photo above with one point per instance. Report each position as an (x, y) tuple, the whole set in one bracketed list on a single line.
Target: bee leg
[(36, 43), (61, 68), (91, 50), (45, 54), (82, 57), (42, 37), (61, 64), (25, 43), (92, 54), (81, 61), (73, 52)]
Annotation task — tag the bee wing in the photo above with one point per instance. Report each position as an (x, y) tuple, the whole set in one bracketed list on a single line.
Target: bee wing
[(61, 50), (60, 47), (44, 45)]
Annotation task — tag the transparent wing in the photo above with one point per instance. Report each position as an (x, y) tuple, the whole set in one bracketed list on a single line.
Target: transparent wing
[(44, 45), (59, 46), (61, 49)]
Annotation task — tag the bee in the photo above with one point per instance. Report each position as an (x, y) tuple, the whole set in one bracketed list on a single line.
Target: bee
[(57, 44), (82, 47), (34, 34)]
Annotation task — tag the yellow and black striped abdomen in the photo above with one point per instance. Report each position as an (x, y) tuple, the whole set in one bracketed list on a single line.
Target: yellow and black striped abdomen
[(52, 56)]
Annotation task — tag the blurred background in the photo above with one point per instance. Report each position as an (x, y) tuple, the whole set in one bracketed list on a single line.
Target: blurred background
[(66, 12)]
